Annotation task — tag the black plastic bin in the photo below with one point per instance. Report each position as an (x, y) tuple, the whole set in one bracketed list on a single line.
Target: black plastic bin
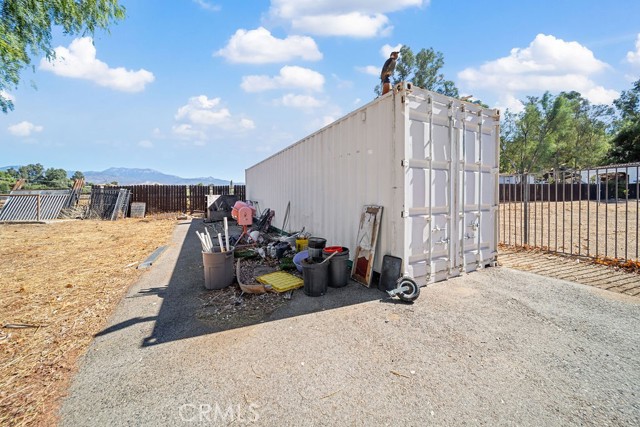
[(315, 247), (315, 276), (339, 271)]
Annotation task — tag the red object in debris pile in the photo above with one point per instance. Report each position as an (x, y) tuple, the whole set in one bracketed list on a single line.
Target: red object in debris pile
[(243, 213), (332, 249)]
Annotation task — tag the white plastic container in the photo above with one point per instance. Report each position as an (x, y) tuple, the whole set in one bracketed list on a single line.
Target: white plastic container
[(431, 161)]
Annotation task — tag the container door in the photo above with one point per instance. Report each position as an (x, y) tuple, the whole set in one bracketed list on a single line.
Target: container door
[(450, 171), (477, 202), (430, 194)]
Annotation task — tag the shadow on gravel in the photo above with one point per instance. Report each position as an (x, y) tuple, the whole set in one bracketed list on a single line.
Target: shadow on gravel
[(187, 310)]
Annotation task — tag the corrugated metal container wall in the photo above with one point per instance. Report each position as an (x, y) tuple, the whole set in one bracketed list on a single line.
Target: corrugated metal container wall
[(392, 152)]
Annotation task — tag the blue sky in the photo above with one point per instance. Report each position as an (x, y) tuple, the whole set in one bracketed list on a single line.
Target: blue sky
[(208, 88)]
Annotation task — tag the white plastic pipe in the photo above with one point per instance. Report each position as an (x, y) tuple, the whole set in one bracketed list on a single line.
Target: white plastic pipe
[(226, 232), (205, 245), (209, 240), (220, 241)]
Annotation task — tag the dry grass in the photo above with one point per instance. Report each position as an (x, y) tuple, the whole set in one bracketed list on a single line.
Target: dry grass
[(585, 228), (61, 280)]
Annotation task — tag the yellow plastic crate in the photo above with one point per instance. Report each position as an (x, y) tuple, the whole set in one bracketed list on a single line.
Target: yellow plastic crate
[(281, 281)]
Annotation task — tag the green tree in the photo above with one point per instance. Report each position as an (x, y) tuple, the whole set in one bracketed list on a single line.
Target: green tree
[(56, 178), (555, 132), (6, 182), (587, 142), (33, 173), (626, 142), (628, 104), (13, 173), (526, 144), (25, 31), (77, 175), (423, 70)]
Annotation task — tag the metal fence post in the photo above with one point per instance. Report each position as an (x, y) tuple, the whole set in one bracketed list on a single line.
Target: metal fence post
[(525, 197)]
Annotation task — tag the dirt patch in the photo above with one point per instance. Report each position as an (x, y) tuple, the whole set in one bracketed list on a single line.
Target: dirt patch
[(583, 228), (60, 282), (231, 308)]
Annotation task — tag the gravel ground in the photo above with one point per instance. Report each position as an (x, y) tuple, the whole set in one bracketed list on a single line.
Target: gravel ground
[(494, 347)]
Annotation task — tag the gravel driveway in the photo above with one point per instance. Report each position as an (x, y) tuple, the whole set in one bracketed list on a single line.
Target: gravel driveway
[(495, 347)]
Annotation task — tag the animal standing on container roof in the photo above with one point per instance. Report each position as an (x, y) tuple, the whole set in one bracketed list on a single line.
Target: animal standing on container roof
[(387, 70)]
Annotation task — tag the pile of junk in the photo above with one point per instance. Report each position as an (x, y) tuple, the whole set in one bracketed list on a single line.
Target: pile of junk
[(236, 246), (241, 245)]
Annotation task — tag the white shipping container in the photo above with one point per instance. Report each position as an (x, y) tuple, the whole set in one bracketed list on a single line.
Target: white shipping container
[(430, 161)]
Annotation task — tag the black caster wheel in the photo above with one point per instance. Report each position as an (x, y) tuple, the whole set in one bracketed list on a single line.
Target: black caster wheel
[(408, 289)]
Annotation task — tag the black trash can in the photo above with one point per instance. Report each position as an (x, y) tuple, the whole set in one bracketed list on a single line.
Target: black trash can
[(338, 265), (316, 245), (315, 276)]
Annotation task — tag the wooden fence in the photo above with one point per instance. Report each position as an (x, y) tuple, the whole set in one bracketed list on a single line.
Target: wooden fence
[(567, 192), (178, 198)]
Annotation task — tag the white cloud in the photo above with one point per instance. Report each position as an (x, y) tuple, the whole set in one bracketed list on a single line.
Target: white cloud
[(201, 110), (289, 77), (511, 103), (24, 129), (303, 102), (354, 18), (145, 143), (385, 51), (548, 63), (79, 61), (247, 124), (633, 57), (7, 95), (208, 6), (340, 83), (259, 46), (202, 118), (291, 8), (187, 131), (354, 24), (327, 120), (600, 95), (370, 69)]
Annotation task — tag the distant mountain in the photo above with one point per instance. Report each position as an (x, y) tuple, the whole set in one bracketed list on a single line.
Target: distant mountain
[(132, 176)]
